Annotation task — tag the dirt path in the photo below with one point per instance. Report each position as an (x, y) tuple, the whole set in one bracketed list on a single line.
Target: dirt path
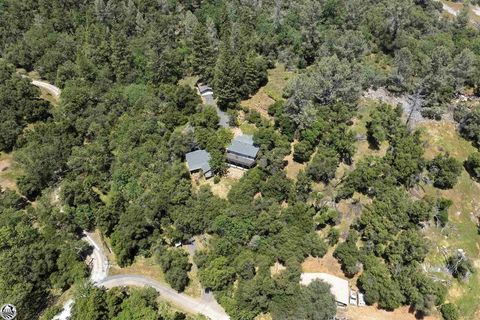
[(206, 306)]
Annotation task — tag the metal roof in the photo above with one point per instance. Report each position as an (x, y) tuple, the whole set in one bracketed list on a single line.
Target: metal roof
[(338, 287), (239, 160), (204, 88), (241, 145), (198, 159)]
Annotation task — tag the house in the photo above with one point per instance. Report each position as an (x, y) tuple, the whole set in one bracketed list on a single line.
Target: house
[(241, 152), (199, 160), (338, 287)]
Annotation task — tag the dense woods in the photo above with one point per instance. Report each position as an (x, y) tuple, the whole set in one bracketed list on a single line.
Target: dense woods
[(113, 149)]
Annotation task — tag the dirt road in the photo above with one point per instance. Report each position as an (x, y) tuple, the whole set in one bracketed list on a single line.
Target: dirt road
[(207, 307)]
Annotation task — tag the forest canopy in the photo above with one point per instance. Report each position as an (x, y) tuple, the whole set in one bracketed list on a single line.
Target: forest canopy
[(112, 150)]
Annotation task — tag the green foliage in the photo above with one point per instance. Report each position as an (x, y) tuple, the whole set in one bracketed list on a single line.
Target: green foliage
[(175, 265), (324, 165), (302, 151), (472, 165), (450, 311), (444, 170), (348, 255), (314, 302), (378, 285), (460, 265), (469, 126), (47, 256), (20, 105), (120, 304), (383, 125)]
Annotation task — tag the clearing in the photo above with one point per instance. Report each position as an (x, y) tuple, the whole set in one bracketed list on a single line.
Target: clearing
[(277, 80), (462, 230)]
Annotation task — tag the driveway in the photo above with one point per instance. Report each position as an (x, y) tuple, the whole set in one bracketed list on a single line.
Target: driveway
[(207, 307), (99, 265)]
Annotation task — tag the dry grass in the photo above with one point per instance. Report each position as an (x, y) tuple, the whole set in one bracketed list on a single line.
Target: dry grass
[(277, 268), (327, 264), (293, 168), (8, 172), (264, 317), (141, 266), (373, 313), (222, 188)]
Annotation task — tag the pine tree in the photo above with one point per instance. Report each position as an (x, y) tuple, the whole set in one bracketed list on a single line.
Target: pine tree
[(120, 59), (227, 78), (203, 60)]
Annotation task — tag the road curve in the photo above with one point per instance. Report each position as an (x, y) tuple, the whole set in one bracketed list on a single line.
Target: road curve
[(99, 277), (99, 264), (211, 309)]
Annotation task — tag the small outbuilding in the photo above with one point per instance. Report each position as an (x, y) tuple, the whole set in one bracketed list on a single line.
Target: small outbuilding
[(204, 89), (242, 152), (338, 287), (199, 161)]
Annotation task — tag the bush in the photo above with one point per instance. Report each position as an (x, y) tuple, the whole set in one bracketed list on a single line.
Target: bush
[(472, 165), (302, 151), (324, 165), (450, 311), (444, 170)]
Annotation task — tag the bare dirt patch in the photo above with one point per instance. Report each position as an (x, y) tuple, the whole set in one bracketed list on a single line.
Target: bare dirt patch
[(326, 264), (277, 268), (293, 168), (373, 313), (221, 188)]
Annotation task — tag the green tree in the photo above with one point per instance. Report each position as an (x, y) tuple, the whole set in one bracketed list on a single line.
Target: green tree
[(450, 311), (472, 164), (444, 170)]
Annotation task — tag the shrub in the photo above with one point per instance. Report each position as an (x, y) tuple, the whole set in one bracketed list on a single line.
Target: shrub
[(472, 165), (444, 170), (450, 311), (302, 151)]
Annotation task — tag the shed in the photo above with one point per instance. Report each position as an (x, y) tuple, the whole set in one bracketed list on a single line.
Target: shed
[(199, 160), (242, 152), (204, 89), (338, 286)]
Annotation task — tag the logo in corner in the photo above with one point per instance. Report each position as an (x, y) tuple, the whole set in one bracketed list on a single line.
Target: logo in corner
[(8, 312)]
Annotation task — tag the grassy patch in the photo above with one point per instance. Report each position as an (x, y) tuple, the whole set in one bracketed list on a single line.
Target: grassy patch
[(9, 172), (278, 78), (141, 266), (189, 81), (462, 232), (248, 128)]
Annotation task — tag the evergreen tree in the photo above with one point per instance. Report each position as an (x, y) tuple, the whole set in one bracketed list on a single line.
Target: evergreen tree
[(203, 61), (227, 77)]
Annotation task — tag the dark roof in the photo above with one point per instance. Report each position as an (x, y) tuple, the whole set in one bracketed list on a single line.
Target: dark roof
[(198, 159), (243, 145), (239, 160)]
